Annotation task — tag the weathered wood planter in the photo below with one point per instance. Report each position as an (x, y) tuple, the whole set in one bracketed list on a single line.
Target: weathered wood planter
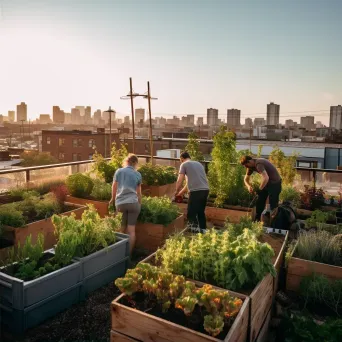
[(100, 206), (159, 190), (149, 328), (261, 297), (218, 216), (297, 269), (45, 227), (150, 236)]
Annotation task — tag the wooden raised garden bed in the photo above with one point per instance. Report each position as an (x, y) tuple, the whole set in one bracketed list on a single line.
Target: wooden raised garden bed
[(218, 216), (130, 324), (45, 227), (100, 206), (159, 191), (262, 296), (297, 269), (150, 236)]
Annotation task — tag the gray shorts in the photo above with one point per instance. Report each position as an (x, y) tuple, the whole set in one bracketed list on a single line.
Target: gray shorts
[(130, 213)]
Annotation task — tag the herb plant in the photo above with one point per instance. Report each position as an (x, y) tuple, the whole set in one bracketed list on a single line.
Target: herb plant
[(80, 185), (319, 216), (312, 198), (218, 307), (158, 210), (246, 222), (157, 174), (193, 147), (216, 258), (290, 194), (101, 191)]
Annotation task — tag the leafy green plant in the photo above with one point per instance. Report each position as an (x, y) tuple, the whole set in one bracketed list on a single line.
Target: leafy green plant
[(246, 222), (158, 210), (217, 306), (101, 191), (216, 258), (157, 174), (318, 246), (193, 147), (106, 169), (318, 290), (9, 216), (87, 235), (290, 194), (319, 216), (79, 185)]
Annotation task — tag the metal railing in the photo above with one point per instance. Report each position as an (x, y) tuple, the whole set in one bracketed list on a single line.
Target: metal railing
[(327, 178)]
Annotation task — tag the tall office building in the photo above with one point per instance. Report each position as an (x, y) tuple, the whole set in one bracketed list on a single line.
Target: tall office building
[(87, 115), (97, 117), (259, 122), (248, 123), (22, 112), (75, 116), (127, 120), (307, 122), (58, 115), (212, 116), (105, 117), (273, 114), (11, 115), (336, 117), (191, 120), (139, 116), (44, 119), (289, 123), (233, 117), (200, 121)]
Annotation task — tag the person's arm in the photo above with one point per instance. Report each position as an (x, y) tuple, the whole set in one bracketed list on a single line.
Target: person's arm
[(114, 189), (264, 176), (179, 183), (247, 180), (139, 193), (184, 190)]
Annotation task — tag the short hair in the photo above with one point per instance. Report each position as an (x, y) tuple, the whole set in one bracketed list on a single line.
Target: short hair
[(185, 155), (245, 159), (130, 160)]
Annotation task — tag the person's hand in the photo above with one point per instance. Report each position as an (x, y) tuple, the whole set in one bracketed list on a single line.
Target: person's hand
[(250, 189)]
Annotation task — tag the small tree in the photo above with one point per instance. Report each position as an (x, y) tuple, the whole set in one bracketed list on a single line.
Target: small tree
[(193, 147), (35, 158)]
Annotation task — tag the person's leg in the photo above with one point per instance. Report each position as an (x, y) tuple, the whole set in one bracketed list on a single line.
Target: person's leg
[(133, 213), (202, 202), (274, 193), (260, 203), (192, 210), (122, 209)]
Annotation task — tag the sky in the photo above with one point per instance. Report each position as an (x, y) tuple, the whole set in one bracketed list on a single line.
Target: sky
[(196, 54)]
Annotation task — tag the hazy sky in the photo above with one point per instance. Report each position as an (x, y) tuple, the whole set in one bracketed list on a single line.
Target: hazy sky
[(196, 54)]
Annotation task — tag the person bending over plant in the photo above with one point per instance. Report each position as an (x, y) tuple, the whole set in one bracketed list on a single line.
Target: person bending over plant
[(270, 185), (126, 193), (197, 184)]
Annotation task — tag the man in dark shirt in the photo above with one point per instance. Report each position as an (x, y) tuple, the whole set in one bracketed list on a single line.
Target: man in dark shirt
[(270, 185)]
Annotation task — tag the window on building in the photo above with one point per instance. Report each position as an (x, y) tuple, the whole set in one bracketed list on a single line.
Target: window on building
[(61, 156), (74, 157), (74, 142), (90, 156), (48, 140), (79, 157), (61, 141), (79, 143), (91, 143)]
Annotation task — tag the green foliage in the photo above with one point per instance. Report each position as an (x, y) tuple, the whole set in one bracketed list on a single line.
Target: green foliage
[(246, 222), (157, 174), (312, 198), (158, 210), (319, 216), (79, 185), (285, 165), (217, 306), (46, 187), (102, 191), (106, 169), (85, 236), (319, 246), (302, 328), (318, 290), (9, 216), (193, 147), (35, 158), (216, 258), (290, 194)]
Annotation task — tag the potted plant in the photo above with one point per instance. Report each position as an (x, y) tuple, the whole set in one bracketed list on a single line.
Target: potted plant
[(314, 252), (169, 308), (312, 198), (84, 190), (36, 284), (32, 216), (158, 180), (158, 219)]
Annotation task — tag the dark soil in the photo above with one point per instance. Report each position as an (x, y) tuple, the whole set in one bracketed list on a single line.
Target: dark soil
[(5, 243), (89, 321), (195, 321)]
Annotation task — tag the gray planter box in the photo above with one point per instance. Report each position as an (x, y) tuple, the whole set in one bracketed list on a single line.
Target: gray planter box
[(18, 294), (17, 321), (106, 257)]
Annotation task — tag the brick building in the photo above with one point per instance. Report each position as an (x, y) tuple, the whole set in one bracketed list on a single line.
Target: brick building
[(68, 146)]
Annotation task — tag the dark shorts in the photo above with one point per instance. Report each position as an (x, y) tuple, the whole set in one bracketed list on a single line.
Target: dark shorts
[(130, 213)]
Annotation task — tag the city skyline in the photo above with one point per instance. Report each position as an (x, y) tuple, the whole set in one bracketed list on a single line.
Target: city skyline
[(70, 52)]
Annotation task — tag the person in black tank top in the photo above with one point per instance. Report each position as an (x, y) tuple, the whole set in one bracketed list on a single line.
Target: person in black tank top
[(270, 186)]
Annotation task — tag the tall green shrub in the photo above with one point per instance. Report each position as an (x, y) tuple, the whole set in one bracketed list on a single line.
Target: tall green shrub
[(80, 185), (193, 147)]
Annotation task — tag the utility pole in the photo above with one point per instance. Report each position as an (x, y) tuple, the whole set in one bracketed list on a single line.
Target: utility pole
[(110, 111), (250, 139)]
